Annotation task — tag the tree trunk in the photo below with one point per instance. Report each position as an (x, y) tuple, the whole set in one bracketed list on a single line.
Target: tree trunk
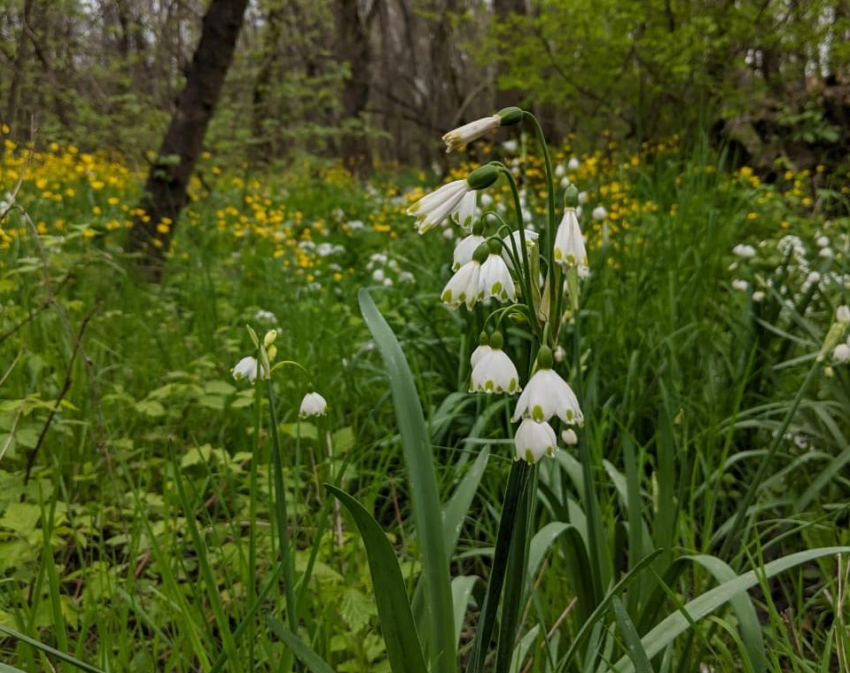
[(352, 46), (21, 56), (263, 148), (503, 9), (165, 189)]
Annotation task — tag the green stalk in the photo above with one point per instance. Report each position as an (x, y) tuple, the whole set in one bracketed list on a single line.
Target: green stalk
[(556, 291), (516, 570), (252, 511), (521, 472), (526, 266), (281, 516), (755, 483)]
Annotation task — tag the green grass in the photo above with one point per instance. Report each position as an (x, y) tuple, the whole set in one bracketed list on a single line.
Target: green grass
[(148, 536)]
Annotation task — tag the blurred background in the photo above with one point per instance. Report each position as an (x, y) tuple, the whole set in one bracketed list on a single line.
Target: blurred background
[(380, 80)]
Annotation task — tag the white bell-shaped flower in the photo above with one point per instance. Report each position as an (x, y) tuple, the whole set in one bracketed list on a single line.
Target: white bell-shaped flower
[(569, 242), (508, 245), (460, 137), (435, 207), (246, 368), (313, 404), (494, 372), (534, 439), (570, 437), (496, 281), (481, 350), (464, 287), (547, 394), (465, 249)]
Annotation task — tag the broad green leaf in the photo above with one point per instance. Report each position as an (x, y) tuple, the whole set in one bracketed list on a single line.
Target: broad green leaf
[(666, 631), (419, 461), (461, 593), (403, 648)]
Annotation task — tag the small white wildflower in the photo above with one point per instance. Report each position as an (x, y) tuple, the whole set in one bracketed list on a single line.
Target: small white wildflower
[(495, 279), (573, 164), (758, 296), (534, 439), (742, 250), (842, 314), (494, 372), (569, 242), (599, 213), (448, 233), (826, 253), (510, 146), (841, 354), (508, 247), (378, 275), (547, 395), (246, 368), (444, 202), (464, 287), (569, 437), (740, 285), (560, 171), (465, 249), (313, 404), (823, 241), (460, 137)]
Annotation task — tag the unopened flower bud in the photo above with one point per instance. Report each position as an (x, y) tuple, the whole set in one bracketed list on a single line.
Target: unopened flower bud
[(482, 177), (268, 340), (272, 351), (571, 197), (570, 437), (510, 116)]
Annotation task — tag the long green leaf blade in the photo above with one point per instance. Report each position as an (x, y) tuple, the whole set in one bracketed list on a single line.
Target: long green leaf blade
[(419, 460), (67, 658), (403, 648), (305, 655)]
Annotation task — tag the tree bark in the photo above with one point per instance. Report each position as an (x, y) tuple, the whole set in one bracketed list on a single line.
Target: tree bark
[(352, 38), (165, 189), (21, 56)]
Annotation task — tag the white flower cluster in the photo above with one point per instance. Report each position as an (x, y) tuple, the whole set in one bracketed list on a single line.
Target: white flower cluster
[(387, 271)]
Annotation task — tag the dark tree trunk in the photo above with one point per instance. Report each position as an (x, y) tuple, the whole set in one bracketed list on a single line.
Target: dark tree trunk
[(21, 57), (263, 149), (165, 189), (352, 37)]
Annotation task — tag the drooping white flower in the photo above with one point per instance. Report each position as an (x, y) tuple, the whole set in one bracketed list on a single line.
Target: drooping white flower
[(841, 354), (573, 164), (510, 146), (495, 280), (481, 350), (465, 214), (460, 137), (534, 440), (313, 404), (599, 213), (494, 372), (559, 353), (464, 287), (465, 249), (758, 296), (740, 285), (569, 437), (435, 207), (448, 233), (246, 368), (265, 317), (742, 250), (560, 171), (547, 395), (842, 314), (509, 247), (826, 253), (582, 197), (569, 243), (823, 241)]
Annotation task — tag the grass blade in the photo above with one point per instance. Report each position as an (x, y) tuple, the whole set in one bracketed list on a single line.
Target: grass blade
[(666, 631), (633, 645), (402, 641), (425, 498), (307, 656), (67, 658)]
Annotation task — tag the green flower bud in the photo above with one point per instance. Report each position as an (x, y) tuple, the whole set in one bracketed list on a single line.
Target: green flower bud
[(481, 253), (495, 246), (484, 340), (544, 357), (497, 341), (510, 116), (478, 228), (482, 177), (571, 197)]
